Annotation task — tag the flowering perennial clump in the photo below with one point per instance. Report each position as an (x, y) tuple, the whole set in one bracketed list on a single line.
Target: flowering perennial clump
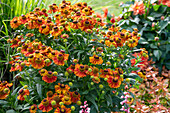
[(67, 55)]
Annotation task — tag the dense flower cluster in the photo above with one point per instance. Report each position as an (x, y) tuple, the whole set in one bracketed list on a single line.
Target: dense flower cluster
[(77, 16), (4, 89), (70, 44), (59, 99)]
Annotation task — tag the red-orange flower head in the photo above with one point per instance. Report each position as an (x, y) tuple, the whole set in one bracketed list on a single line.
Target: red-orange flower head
[(105, 73), (61, 88), (95, 59), (63, 109), (4, 89), (60, 58), (114, 81), (75, 96), (22, 93), (45, 105), (49, 77), (80, 70), (33, 108)]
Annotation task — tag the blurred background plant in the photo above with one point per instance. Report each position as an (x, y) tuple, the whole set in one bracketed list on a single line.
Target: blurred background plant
[(151, 18)]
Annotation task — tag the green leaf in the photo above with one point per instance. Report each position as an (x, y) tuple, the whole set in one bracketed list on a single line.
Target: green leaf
[(3, 102), (136, 20), (92, 100), (10, 111), (39, 90), (153, 46), (150, 18), (142, 41), (157, 54), (22, 83), (109, 100), (156, 7)]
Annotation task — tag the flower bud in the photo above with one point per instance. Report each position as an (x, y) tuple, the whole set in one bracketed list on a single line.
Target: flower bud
[(78, 102), (19, 49), (90, 70), (92, 83), (66, 73), (121, 76), (65, 40), (103, 54), (70, 84), (153, 24), (53, 102), (127, 80), (105, 79), (156, 38), (162, 17), (101, 86), (47, 60), (103, 92), (91, 76), (73, 108), (55, 73), (75, 60), (22, 64), (94, 15), (25, 86), (61, 103), (6, 90), (159, 44), (98, 19), (139, 35)]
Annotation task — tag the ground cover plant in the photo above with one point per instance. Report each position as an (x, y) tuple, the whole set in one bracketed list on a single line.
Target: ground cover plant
[(66, 56)]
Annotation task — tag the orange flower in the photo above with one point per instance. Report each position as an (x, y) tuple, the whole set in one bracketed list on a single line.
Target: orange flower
[(44, 29), (49, 78), (94, 72), (57, 98), (95, 59), (105, 73), (22, 93), (16, 41), (63, 109), (114, 81), (15, 23), (75, 96), (56, 32), (138, 8), (96, 80), (53, 8), (66, 100), (4, 90), (60, 58), (45, 105), (33, 108), (38, 63), (61, 88), (71, 68), (80, 70), (132, 42)]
